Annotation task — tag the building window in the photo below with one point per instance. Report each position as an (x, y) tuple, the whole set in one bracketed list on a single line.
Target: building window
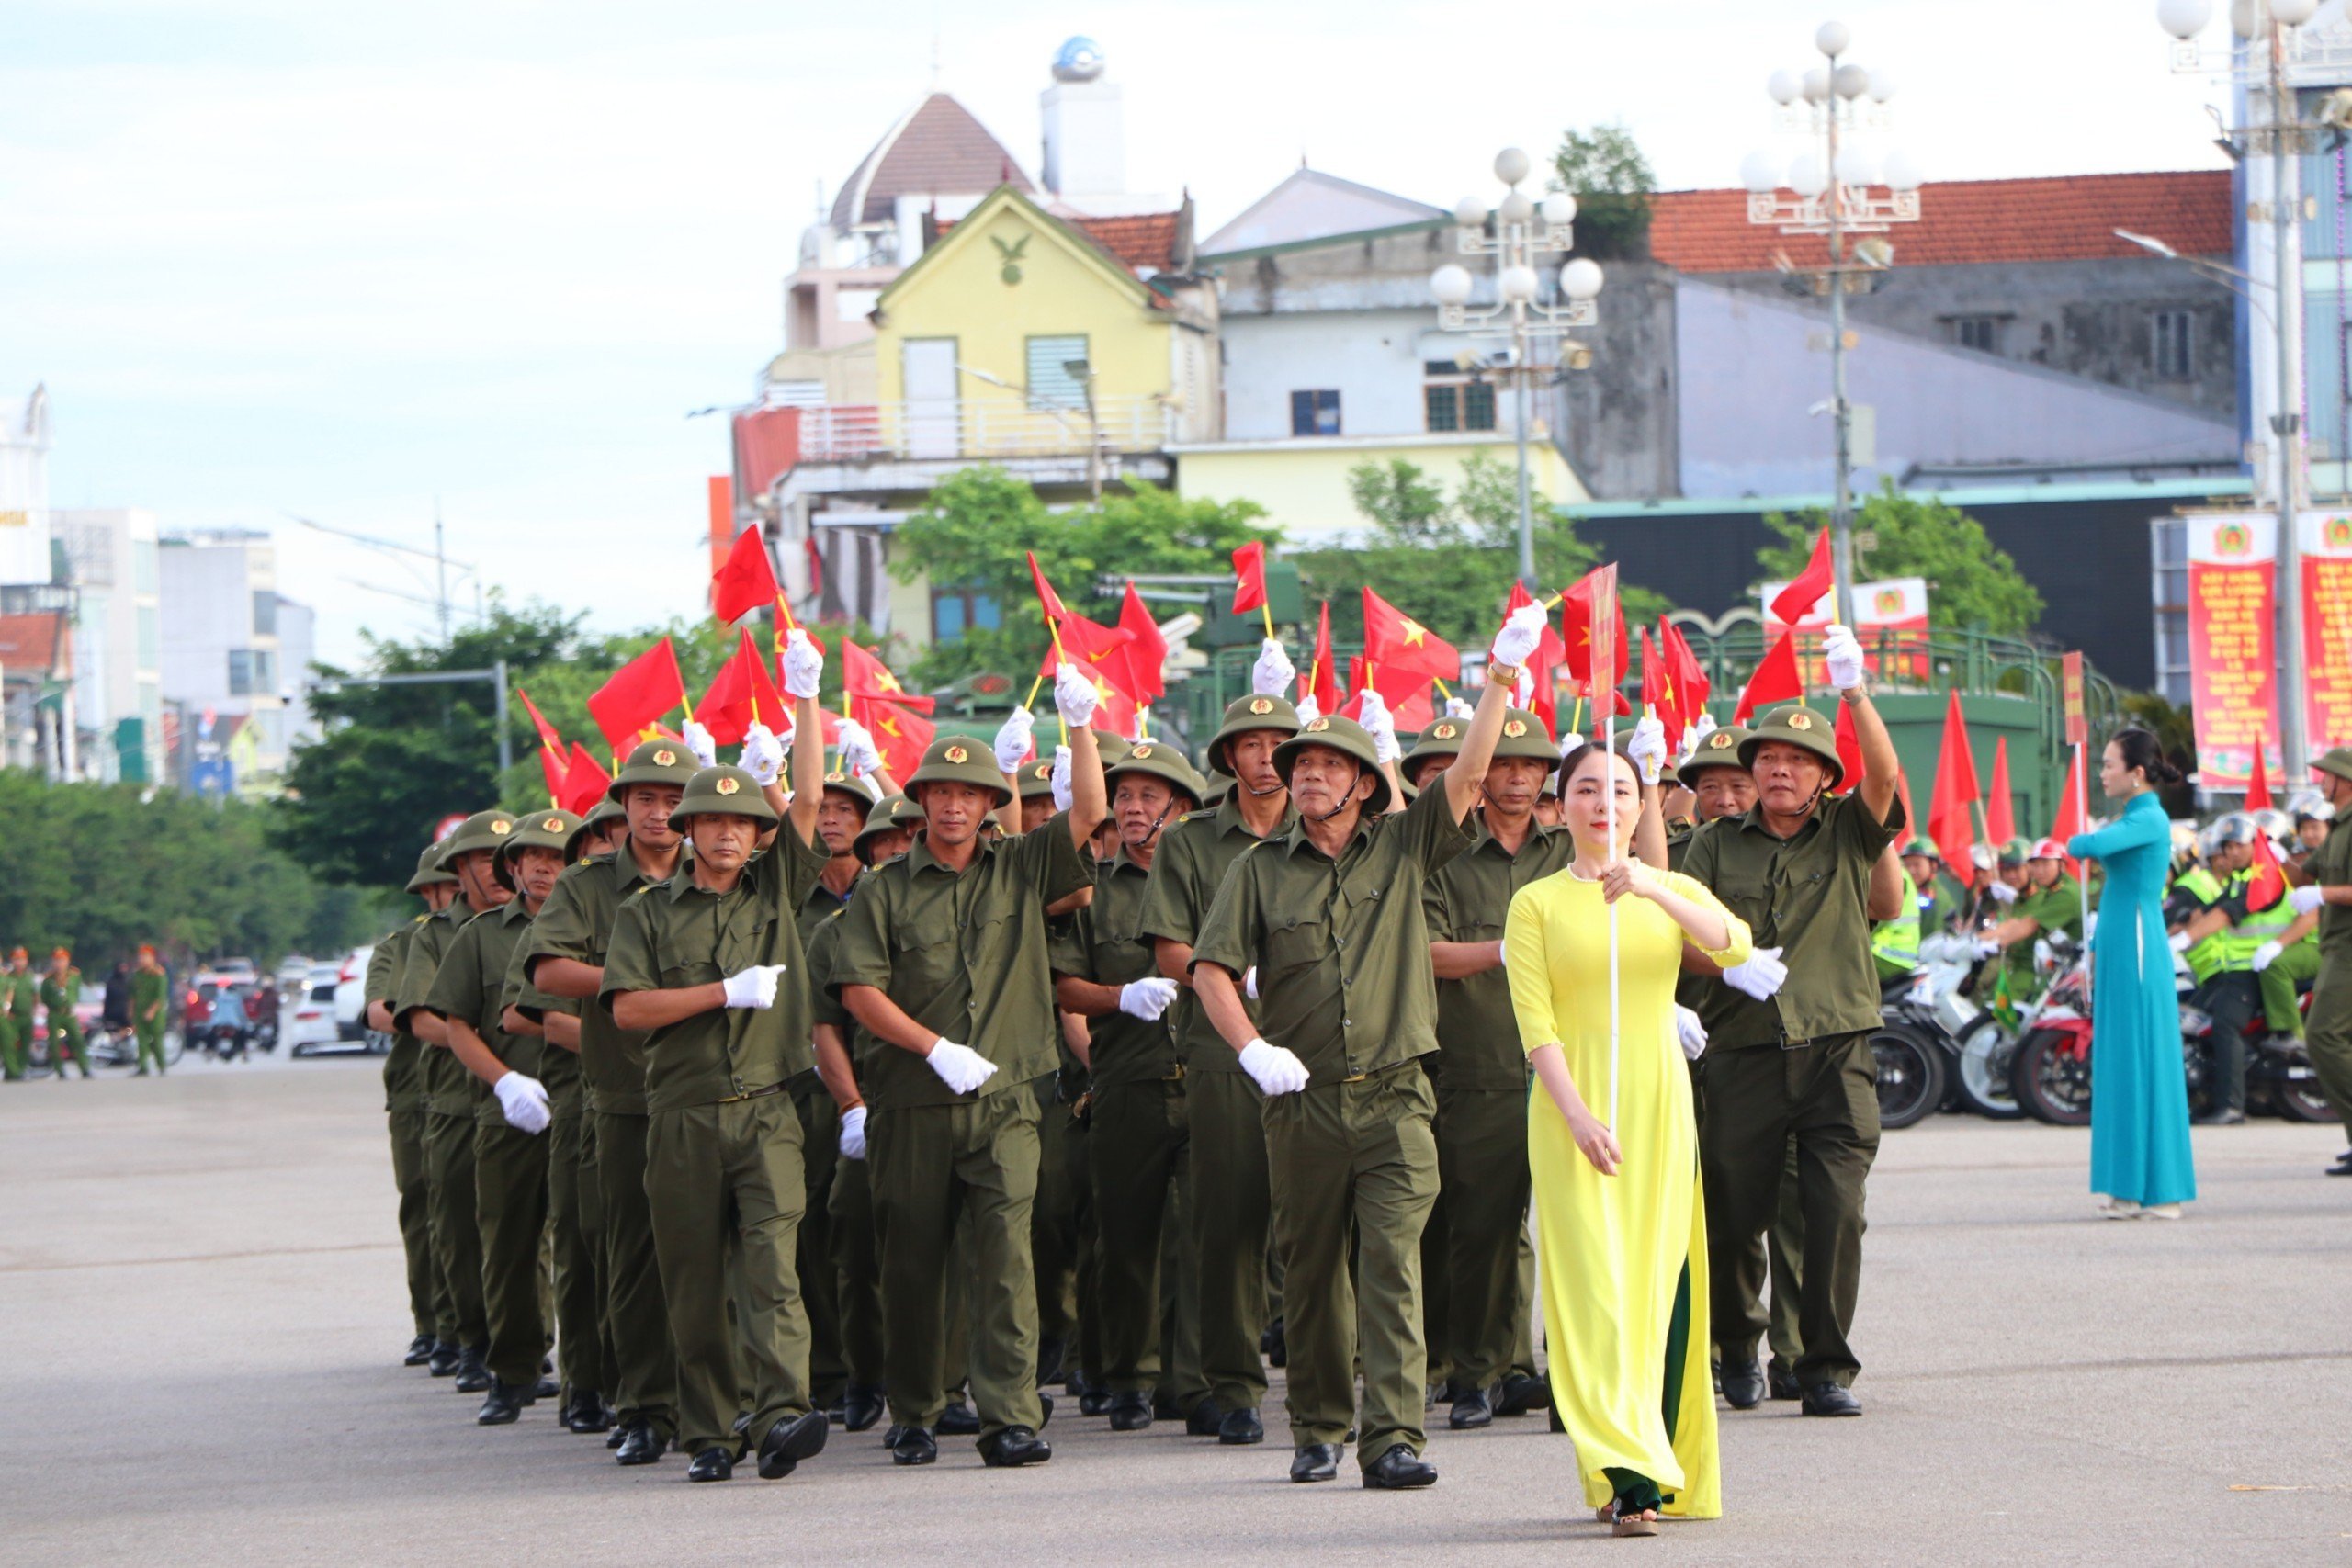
[(955, 611), (1982, 333), (1314, 414), (150, 637), (1052, 383), (2170, 332), (144, 574), (241, 673), (1454, 402), (264, 613), (2169, 592)]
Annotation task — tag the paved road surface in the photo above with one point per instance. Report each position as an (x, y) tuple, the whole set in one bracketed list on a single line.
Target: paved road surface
[(199, 1291)]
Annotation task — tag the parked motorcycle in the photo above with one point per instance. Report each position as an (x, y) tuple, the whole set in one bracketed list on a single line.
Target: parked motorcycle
[(118, 1046), (2051, 1073), (2278, 1075)]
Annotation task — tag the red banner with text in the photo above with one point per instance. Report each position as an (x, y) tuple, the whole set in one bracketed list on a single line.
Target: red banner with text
[(2326, 542), (2232, 651)]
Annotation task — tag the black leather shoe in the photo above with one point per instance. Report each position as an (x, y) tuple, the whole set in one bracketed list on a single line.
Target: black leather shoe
[(891, 1435), (1093, 1402), (790, 1442), (1315, 1461), (1398, 1470), (1781, 1381), (1130, 1411), (588, 1414), (2343, 1165), (1014, 1447), (1744, 1386), (1050, 1360), (420, 1350), (619, 1434), (1521, 1394), (472, 1376), (1239, 1428), (1471, 1409), (548, 1389), (714, 1463), (1045, 1410), (861, 1406), (1205, 1420), (641, 1444), (1274, 1345), (1829, 1399), (959, 1420), (444, 1361), (915, 1446), (504, 1405)]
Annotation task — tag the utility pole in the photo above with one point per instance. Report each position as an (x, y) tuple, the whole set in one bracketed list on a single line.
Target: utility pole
[(441, 572), (438, 555), (2287, 142)]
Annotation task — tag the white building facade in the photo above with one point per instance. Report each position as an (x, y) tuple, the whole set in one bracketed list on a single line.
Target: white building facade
[(223, 654)]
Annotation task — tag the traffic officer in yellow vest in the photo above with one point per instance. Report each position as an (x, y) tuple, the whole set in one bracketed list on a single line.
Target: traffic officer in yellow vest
[(2327, 1029), (951, 940), (1329, 917), (2220, 953), (435, 1344)]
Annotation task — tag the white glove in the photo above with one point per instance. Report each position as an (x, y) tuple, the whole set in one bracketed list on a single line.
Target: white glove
[(1520, 636), (1250, 982), (1275, 1069), (2179, 941), (525, 1102), (803, 665), (1523, 694), (1842, 651), (1700, 728), (762, 755), (1146, 1000), (1647, 749), (860, 756), (1075, 695), (960, 1068), (1986, 947), (853, 1138), (752, 988), (2265, 955), (1690, 1031), (1013, 741), (1380, 725), (1762, 976), (1274, 676), (1456, 708), (1061, 781), (698, 741), (1309, 710), (2003, 893), (1502, 955), (2306, 900)]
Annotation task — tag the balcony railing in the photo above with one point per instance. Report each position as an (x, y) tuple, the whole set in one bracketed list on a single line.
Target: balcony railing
[(975, 429)]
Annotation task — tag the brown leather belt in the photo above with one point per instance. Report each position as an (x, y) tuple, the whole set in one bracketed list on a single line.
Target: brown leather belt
[(754, 1094)]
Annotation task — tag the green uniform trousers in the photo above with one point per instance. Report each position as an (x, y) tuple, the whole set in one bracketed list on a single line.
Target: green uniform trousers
[(12, 1049), (930, 1165), (857, 1272), (1138, 1147), (2327, 1033), (65, 1039), (579, 1335), (510, 1207), (450, 1212), (427, 1297), (150, 1047), (1823, 1097), (1777, 1255), (1228, 1204), (1482, 1167), (592, 1238), (2294, 968), (820, 1142), (712, 1172), (1354, 1158), (1062, 1238), (635, 1314)]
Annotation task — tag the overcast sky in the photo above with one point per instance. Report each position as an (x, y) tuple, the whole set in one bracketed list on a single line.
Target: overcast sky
[(277, 256)]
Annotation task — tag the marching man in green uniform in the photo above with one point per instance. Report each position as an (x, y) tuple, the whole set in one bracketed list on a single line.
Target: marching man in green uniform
[(2327, 1029), (61, 988), (1789, 1053), (435, 1344), (148, 1011), (709, 966), (1329, 918), (950, 941)]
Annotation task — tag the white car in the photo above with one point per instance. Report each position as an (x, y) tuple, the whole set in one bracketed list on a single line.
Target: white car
[(310, 1014), (350, 992)]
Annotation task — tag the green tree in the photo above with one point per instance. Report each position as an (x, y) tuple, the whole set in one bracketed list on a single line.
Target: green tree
[(1970, 585), (974, 528), (1604, 168)]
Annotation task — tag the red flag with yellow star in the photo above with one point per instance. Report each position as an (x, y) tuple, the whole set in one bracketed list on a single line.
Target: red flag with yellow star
[(1396, 644), (889, 712)]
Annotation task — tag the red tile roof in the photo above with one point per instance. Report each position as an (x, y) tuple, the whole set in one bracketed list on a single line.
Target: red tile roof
[(1146, 243), (2069, 219), (33, 643)]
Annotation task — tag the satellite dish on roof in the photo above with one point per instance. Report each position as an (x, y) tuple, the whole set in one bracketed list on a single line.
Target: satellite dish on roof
[(1079, 60)]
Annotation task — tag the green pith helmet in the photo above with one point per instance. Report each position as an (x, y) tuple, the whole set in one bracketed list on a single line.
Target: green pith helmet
[(723, 790), (891, 812), (1723, 748), (1245, 713), (1808, 729), (2017, 852), (654, 762), (2338, 761), (606, 810), (539, 831), (1166, 764), (1037, 776), (1923, 849), (429, 871), (1214, 787), (1442, 739), (1349, 739), (865, 791), (1523, 735), (959, 758), (482, 830)]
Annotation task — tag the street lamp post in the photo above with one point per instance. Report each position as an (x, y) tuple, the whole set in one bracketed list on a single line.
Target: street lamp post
[(1836, 194), (1524, 230)]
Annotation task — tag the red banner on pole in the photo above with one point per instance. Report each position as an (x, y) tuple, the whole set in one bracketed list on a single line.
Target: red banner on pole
[(2232, 644), (2327, 630), (2070, 687)]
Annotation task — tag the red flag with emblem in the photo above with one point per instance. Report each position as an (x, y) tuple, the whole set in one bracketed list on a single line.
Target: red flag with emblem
[(1952, 813), (552, 765), (889, 712), (1146, 654), (1691, 686), (1551, 653), (747, 580), (585, 782), (2267, 881), (1575, 628), (1776, 680), (1098, 650), (1248, 577), (640, 692), (1395, 642), (1321, 681), (1657, 693), (1406, 694), (1798, 597)]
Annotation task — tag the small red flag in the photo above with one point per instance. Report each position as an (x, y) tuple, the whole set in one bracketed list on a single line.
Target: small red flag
[(640, 692), (548, 733), (816, 568), (1250, 577), (1850, 752), (742, 694), (1045, 594), (2269, 882), (585, 782), (1775, 681), (1322, 680), (553, 769), (1576, 626), (1145, 655), (1691, 682), (2069, 820), (1550, 655), (1094, 647), (1792, 604), (1657, 693), (892, 714), (748, 580), (2257, 788), (1952, 813), (1393, 642), (2001, 811)]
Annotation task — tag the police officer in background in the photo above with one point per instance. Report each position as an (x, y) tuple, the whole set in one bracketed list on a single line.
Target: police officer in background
[(2327, 1028), (435, 1344)]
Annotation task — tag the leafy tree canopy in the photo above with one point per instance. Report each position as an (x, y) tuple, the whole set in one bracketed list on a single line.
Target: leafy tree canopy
[(1970, 585), (1604, 168)]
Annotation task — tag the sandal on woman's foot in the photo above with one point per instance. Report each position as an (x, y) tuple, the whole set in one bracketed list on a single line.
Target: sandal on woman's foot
[(2118, 1209), (1644, 1523), (1607, 1513), (2161, 1212)]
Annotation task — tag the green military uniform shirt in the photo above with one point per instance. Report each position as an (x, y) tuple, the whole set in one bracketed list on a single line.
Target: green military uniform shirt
[(576, 923), (567, 1093), (471, 986), (147, 991), (2331, 865), (21, 1004), (1186, 870), (448, 1086), (404, 1066), (2057, 907), (1477, 1032), (1105, 942), (1808, 895), (676, 934), (1341, 945), (963, 955), (58, 995)]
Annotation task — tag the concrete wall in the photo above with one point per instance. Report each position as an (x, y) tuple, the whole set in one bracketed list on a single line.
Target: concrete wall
[(1619, 420), (1372, 357), (1302, 484)]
